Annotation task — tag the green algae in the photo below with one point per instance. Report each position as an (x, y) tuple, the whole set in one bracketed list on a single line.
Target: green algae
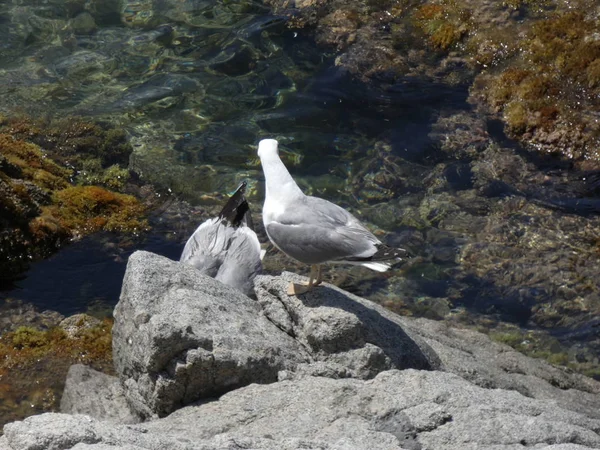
[(22, 346), (537, 344), (72, 140), (445, 23), (548, 88), (88, 209), (534, 63), (34, 364), (41, 209), (92, 173), (33, 164)]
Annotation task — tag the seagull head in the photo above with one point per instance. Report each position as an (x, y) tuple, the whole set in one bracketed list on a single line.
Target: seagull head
[(267, 147)]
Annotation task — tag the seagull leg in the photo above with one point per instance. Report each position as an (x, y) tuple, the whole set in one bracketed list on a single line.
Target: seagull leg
[(319, 276), (313, 280)]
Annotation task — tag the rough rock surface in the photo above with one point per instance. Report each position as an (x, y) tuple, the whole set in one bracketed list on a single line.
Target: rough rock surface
[(319, 317), (96, 394), (180, 336), (410, 409), (338, 385)]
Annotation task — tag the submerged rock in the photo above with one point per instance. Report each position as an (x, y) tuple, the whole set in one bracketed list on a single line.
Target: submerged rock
[(81, 64), (83, 23), (157, 88), (516, 56)]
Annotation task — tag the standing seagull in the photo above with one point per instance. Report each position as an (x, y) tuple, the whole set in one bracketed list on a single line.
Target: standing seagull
[(225, 247), (312, 230)]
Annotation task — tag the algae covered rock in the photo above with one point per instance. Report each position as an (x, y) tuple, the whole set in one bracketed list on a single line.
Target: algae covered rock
[(35, 358), (40, 207), (535, 65)]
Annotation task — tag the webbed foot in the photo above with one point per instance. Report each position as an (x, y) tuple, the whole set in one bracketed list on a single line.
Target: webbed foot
[(298, 288)]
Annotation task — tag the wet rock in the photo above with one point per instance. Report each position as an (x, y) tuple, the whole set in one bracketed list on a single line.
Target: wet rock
[(234, 61), (139, 14), (105, 12), (95, 394), (14, 314), (81, 64), (77, 323), (153, 90), (383, 176), (83, 23)]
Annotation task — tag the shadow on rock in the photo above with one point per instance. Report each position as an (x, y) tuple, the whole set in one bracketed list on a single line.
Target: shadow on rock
[(347, 336)]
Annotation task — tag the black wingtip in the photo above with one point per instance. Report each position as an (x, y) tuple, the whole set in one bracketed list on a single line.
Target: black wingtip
[(385, 253), (236, 207)]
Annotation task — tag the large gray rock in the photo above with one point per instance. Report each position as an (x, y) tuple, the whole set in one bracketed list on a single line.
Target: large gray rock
[(410, 409), (329, 317), (96, 394), (180, 336)]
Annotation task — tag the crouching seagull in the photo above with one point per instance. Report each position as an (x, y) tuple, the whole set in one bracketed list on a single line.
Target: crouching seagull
[(313, 230), (225, 247)]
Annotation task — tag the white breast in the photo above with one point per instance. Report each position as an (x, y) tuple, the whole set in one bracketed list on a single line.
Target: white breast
[(272, 210)]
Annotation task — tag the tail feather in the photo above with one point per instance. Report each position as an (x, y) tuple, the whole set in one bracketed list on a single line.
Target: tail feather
[(236, 207), (377, 266)]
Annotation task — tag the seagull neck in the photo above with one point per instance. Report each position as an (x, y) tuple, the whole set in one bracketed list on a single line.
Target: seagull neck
[(279, 182)]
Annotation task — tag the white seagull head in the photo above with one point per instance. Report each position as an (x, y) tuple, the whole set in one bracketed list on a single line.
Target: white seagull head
[(267, 147)]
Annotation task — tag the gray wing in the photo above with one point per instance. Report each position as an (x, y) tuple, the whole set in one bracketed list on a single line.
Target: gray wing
[(242, 262), (205, 248), (315, 230), (230, 255)]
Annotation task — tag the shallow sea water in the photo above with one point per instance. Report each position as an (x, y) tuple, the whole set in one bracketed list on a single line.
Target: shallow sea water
[(198, 83)]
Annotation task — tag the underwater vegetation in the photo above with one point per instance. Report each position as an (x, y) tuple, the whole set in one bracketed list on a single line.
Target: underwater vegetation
[(88, 148), (538, 345), (535, 64), (445, 23), (46, 191), (88, 209), (24, 345), (34, 363), (548, 94)]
